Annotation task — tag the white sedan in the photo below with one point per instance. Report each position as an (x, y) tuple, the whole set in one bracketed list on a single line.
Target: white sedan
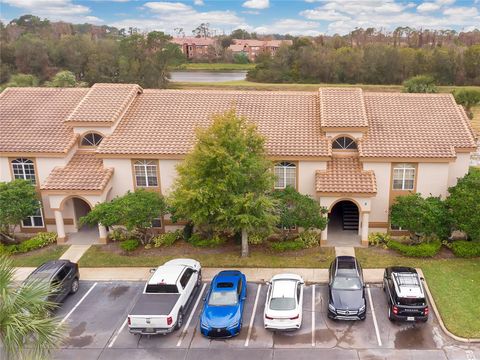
[(283, 308)]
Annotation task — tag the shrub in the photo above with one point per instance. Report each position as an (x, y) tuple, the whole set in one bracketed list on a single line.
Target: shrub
[(420, 84), (255, 238), (197, 240), (378, 238), (167, 239), (119, 234), (425, 249), (129, 245), (465, 248), (309, 239), (38, 241), (288, 245)]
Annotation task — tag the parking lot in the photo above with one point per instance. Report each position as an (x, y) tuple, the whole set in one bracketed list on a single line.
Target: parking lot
[(96, 323)]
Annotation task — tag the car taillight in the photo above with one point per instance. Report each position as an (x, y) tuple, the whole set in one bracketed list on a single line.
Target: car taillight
[(268, 317), (169, 320), (295, 318), (395, 309), (426, 311), (129, 321)]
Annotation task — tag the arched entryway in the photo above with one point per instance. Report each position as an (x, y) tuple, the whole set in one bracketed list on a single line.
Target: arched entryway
[(84, 234), (343, 224)]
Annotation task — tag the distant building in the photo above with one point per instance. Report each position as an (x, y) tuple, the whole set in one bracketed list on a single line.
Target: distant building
[(194, 47), (252, 47)]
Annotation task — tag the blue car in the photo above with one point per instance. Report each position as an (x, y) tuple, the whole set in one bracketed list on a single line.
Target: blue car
[(222, 312)]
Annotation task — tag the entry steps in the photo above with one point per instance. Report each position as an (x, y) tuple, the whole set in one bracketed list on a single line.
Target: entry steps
[(349, 216)]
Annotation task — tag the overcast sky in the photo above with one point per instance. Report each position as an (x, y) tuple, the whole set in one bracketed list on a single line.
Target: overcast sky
[(307, 17)]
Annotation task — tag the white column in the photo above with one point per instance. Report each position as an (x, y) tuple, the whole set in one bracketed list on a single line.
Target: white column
[(323, 236), (102, 234), (60, 226), (359, 223), (365, 217)]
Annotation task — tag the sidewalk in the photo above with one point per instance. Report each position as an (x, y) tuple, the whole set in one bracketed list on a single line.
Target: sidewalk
[(75, 252), (252, 274)]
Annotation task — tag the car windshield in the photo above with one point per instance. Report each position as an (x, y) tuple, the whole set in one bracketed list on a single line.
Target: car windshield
[(223, 298), (412, 301), (346, 283), (283, 303)]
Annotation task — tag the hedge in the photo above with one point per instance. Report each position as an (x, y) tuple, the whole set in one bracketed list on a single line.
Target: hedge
[(38, 241), (425, 249), (130, 244), (466, 248), (288, 245)]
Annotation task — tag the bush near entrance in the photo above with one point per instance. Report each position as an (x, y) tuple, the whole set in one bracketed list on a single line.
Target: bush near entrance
[(423, 250), (466, 248)]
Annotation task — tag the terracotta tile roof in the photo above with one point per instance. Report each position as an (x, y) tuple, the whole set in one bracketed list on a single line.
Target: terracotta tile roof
[(414, 125), (83, 172), (104, 103), (345, 175), (31, 119), (163, 121), (342, 107), (193, 41)]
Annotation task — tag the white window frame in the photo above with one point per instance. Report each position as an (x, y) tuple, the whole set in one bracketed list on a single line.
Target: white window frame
[(284, 167), (344, 143), (145, 166), (31, 217), (97, 139), (20, 167), (400, 174)]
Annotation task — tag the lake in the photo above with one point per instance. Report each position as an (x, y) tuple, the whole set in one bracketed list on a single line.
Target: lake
[(207, 76)]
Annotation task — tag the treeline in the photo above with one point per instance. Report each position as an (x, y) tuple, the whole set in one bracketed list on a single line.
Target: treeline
[(308, 61)]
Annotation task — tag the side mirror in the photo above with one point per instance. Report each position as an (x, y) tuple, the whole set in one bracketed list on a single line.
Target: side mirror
[(268, 283), (302, 283), (152, 270), (422, 279), (195, 271), (204, 299)]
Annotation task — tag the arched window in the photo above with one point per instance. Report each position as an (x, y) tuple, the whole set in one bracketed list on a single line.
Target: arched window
[(24, 169), (344, 143), (146, 173), (92, 139), (285, 175)]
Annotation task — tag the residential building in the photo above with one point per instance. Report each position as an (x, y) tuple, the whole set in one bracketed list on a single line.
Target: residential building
[(352, 151), (252, 47), (194, 47)]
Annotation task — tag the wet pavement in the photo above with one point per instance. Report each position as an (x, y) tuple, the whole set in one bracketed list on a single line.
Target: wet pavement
[(96, 315)]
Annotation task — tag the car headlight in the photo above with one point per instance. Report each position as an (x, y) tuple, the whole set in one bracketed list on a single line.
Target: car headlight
[(331, 307), (233, 326), (362, 309), (203, 325)]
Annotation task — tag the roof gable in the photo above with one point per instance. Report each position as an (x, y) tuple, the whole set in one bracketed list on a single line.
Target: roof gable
[(342, 108)]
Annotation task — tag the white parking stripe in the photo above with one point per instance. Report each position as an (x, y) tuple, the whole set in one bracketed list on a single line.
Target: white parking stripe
[(78, 303), (185, 327), (374, 317), (313, 315), (247, 340), (118, 333)]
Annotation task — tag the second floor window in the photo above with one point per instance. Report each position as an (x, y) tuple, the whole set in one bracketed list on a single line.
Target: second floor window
[(146, 173), (285, 175), (24, 169), (344, 143), (403, 177), (92, 139)]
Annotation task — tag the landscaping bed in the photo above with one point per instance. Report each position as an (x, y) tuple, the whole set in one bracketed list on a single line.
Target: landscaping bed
[(35, 258), (227, 255)]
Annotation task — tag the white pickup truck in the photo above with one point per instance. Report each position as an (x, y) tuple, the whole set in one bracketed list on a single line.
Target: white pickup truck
[(168, 293)]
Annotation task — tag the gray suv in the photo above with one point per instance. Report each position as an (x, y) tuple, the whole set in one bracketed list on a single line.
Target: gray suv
[(63, 274)]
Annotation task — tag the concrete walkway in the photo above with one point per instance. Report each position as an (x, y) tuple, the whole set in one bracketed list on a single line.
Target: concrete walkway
[(344, 251), (75, 252)]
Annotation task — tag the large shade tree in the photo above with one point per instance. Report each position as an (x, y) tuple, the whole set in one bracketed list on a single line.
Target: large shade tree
[(223, 183)]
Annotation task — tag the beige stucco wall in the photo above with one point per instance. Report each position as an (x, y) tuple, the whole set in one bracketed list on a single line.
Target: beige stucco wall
[(432, 179), (306, 176), (81, 130), (352, 134), (5, 174), (458, 168), (168, 173), (379, 212), (122, 179)]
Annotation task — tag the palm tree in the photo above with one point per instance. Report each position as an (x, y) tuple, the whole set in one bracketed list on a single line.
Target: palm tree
[(26, 329)]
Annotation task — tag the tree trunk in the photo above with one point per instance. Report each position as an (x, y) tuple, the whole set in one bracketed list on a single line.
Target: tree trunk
[(7, 239), (244, 243)]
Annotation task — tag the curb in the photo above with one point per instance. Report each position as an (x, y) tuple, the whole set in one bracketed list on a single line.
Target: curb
[(440, 320)]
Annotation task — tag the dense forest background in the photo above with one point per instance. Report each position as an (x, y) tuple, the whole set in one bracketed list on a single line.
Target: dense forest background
[(41, 49)]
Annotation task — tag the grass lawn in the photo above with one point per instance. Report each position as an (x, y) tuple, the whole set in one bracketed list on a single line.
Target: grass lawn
[(214, 66), (454, 283), (37, 257), (110, 255), (476, 118)]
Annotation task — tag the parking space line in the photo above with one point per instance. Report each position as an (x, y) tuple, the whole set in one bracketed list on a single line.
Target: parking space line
[(374, 317), (78, 303), (185, 327), (118, 333), (247, 340), (313, 315)]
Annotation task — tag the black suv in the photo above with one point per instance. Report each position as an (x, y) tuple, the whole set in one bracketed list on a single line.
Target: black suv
[(346, 290), (405, 294), (63, 274)]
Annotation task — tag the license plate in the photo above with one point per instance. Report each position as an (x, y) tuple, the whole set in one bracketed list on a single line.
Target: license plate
[(149, 330), (410, 318)]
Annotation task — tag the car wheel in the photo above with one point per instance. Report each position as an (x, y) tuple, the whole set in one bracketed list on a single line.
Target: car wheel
[(390, 317), (75, 286), (179, 320)]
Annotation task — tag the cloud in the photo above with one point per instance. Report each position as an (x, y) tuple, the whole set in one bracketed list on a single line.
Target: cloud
[(251, 12), (461, 11), (427, 7), (167, 6), (256, 4), (198, 2), (327, 15), (290, 26)]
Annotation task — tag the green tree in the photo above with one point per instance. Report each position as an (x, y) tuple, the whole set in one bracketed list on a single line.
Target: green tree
[(425, 216), (467, 98), (134, 210), (63, 79), (31, 56), (464, 204), (22, 80), (18, 200), (472, 63), (74, 52), (299, 210), (26, 329), (420, 84), (223, 182)]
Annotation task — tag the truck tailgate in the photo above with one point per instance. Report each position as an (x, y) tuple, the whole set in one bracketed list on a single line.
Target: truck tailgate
[(154, 304)]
